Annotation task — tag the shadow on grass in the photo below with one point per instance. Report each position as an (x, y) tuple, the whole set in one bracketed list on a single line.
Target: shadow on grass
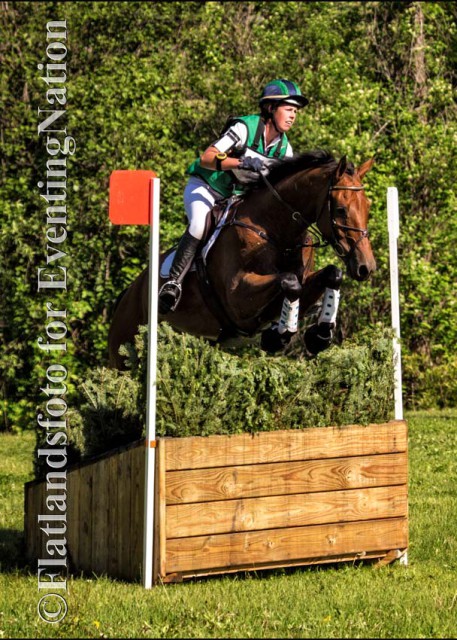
[(12, 551)]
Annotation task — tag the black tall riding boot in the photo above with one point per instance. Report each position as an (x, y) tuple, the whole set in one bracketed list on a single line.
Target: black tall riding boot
[(170, 292)]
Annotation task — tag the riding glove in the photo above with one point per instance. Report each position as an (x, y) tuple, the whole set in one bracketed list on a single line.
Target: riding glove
[(249, 163)]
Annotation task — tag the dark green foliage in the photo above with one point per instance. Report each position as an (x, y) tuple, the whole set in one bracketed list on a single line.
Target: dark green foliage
[(110, 411), (108, 417), (203, 390)]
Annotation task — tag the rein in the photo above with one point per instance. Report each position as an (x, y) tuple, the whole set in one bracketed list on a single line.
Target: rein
[(296, 216)]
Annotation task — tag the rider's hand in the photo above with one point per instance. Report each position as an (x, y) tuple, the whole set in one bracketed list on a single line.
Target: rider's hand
[(249, 163)]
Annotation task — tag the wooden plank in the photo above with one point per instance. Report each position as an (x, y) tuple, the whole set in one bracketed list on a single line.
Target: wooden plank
[(137, 458), (33, 507), (249, 481), (348, 557), (73, 522), (272, 512), (100, 505), (159, 560), (113, 515), (85, 519), (41, 510), (294, 444), (259, 548), (29, 511), (124, 512), (391, 556), (27, 522)]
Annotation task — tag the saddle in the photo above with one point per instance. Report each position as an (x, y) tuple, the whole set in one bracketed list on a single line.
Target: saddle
[(220, 216)]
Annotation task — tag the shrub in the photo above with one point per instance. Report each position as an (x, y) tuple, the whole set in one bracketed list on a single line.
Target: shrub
[(203, 389)]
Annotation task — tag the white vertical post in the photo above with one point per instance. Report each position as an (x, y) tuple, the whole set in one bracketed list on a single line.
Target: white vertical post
[(393, 221), (394, 232), (151, 383)]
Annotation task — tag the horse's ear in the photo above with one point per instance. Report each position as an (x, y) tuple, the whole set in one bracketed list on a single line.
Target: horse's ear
[(365, 167), (341, 168)]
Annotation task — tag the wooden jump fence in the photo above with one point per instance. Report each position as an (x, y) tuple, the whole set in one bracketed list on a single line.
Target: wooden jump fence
[(238, 502)]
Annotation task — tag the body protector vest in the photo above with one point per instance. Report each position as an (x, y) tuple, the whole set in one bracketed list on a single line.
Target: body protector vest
[(229, 182)]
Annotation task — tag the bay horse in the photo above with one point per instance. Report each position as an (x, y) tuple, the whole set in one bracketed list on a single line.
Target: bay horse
[(264, 256)]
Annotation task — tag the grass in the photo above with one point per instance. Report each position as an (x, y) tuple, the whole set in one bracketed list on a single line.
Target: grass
[(345, 601)]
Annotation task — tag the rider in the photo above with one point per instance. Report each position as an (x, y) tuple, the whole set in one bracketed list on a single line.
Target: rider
[(251, 144)]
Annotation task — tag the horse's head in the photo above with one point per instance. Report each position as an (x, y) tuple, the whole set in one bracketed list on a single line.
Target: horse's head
[(345, 224)]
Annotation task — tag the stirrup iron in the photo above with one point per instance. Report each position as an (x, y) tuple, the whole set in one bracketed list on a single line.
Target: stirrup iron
[(169, 296)]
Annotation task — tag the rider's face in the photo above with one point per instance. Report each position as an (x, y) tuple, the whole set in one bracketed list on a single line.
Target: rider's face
[(285, 116)]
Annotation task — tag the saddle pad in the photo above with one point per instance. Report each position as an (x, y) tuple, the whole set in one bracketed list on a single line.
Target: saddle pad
[(166, 264), (212, 239)]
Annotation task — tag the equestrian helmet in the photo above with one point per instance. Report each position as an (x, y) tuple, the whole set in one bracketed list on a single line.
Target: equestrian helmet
[(283, 91)]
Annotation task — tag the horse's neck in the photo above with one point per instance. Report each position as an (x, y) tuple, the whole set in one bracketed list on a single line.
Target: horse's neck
[(308, 193), (302, 198)]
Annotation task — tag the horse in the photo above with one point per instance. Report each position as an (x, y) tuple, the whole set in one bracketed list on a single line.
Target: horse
[(263, 259)]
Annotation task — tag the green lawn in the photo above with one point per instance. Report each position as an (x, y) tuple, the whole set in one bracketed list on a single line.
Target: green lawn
[(416, 601)]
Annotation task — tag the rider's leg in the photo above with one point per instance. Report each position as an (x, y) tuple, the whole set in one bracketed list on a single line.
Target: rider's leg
[(170, 293), (198, 201)]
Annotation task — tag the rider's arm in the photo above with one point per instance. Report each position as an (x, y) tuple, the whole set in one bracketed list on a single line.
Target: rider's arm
[(234, 138), (208, 160)]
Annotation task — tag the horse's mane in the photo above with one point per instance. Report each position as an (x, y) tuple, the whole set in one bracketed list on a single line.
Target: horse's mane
[(307, 160)]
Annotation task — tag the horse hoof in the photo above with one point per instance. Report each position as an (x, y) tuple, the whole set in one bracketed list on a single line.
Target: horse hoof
[(272, 341), (318, 338)]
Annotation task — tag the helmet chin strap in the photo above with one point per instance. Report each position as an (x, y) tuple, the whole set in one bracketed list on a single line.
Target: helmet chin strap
[(274, 124), (272, 112)]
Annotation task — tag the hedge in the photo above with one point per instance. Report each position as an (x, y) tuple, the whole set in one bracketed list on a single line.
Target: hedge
[(204, 389)]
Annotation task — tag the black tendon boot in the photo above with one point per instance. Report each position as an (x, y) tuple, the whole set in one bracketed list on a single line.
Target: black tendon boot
[(170, 292)]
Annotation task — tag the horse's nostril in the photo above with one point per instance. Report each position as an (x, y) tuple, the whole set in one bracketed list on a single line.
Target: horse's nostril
[(363, 272)]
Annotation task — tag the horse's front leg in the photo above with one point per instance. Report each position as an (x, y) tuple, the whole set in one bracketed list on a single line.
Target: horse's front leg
[(252, 293), (279, 334), (326, 283)]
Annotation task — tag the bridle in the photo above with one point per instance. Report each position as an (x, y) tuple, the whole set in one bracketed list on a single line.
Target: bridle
[(334, 240), (313, 228)]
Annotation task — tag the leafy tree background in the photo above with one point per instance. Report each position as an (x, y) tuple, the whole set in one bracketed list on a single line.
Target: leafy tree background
[(150, 84)]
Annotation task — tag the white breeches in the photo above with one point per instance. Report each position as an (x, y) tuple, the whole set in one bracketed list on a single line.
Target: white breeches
[(199, 199)]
